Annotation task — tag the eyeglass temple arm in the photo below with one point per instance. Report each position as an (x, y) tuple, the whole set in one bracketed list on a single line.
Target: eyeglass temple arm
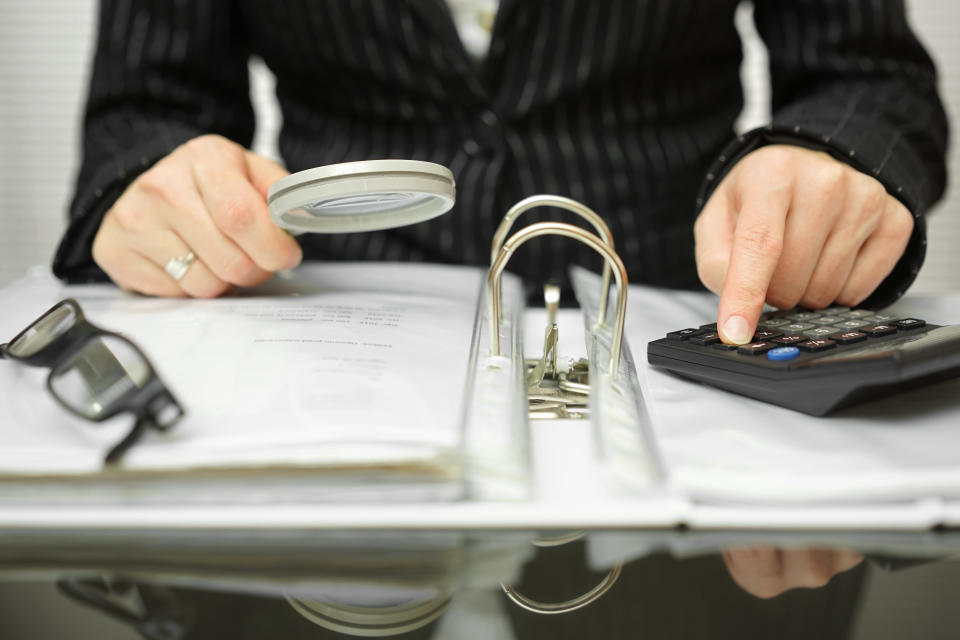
[(117, 451)]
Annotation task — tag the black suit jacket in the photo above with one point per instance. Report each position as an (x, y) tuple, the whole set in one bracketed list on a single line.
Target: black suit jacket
[(627, 106)]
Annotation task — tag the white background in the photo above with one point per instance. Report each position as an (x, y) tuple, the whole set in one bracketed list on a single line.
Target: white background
[(45, 47)]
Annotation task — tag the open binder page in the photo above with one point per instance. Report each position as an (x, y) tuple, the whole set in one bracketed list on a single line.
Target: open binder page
[(332, 367), (722, 449)]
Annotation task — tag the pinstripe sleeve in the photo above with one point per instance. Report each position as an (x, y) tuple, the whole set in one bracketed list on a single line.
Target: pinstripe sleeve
[(163, 72), (850, 78)]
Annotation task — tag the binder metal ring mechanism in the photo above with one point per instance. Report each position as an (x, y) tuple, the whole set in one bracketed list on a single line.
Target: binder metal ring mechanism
[(618, 416), (379, 194)]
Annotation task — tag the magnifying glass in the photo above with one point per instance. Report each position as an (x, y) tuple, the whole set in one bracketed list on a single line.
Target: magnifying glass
[(361, 196)]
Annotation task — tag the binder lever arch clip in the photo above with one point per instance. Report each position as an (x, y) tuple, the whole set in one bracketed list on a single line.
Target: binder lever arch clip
[(617, 411)]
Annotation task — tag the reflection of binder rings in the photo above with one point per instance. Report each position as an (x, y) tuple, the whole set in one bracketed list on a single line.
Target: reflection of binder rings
[(374, 584)]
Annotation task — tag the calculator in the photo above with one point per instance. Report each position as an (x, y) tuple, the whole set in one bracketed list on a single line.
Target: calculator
[(816, 361)]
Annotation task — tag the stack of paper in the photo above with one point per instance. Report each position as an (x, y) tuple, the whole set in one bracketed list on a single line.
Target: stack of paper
[(355, 373), (722, 448), (346, 383)]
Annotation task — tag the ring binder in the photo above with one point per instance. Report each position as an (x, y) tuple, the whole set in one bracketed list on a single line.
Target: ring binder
[(617, 411), (567, 204), (536, 230)]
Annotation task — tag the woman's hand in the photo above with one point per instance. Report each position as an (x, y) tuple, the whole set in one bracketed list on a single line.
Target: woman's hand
[(791, 226), (207, 197)]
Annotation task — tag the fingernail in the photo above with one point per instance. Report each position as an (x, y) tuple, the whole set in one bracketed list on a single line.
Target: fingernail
[(737, 330)]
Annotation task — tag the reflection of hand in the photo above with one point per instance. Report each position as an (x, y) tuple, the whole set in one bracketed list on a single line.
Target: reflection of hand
[(788, 225), (767, 572), (209, 197)]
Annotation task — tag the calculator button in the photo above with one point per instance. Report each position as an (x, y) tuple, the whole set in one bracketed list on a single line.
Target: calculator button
[(817, 344), (725, 347), (882, 318), (853, 324), (778, 314), (796, 327), (858, 313), (781, 354), (792, 339), (756, 348), (820, 332), (803, 316), (878, 330), (704, 339), (825, 320), (765, 334), (849, 337), (837, 309), (910, 323), (773, 322), (684, 334), (709, 327)]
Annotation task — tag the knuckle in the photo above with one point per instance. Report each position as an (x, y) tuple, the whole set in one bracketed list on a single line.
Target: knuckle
[(832, 178), (203, 144), (155, 183), (760, 241), (213, 145), (778, 159), (874, 196), (130, 218), (901, 223), (235, 216)]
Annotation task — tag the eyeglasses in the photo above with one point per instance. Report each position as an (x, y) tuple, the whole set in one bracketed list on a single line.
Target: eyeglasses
[(95, 374)]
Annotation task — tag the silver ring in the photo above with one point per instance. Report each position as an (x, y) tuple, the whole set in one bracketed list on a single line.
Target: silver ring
[(178, 267)]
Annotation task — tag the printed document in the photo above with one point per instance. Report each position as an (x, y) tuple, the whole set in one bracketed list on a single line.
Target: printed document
[(340, 365)]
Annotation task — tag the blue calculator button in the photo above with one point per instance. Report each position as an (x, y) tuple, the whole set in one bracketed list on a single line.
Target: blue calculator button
[(783, 353)]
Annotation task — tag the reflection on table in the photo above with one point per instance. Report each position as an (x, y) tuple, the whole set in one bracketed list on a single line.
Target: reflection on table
[(467, 585)]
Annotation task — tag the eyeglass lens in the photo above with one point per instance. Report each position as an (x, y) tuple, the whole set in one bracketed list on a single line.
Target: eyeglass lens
[(43, 331), (99, 375)]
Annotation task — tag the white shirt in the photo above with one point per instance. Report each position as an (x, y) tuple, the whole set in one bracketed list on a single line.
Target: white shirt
[(474, 21)]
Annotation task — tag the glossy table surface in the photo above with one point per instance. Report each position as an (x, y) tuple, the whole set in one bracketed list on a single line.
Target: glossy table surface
[(502, 584)]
